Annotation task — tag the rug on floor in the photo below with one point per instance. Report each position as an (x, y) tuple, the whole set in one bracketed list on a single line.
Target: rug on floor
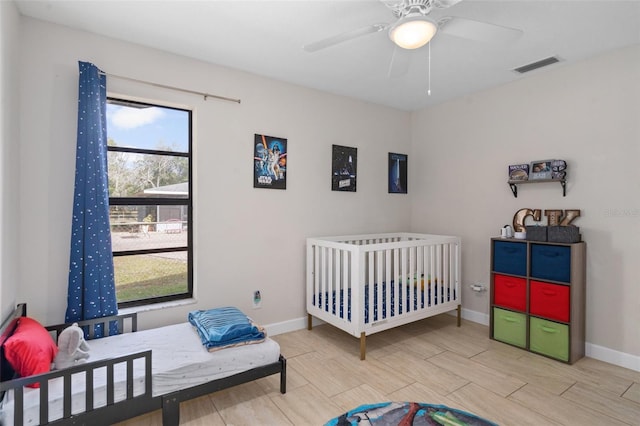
[(409, 414)]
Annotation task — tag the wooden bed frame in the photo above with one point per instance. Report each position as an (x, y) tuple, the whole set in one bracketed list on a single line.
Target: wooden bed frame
[(364, 284), (131, 406)]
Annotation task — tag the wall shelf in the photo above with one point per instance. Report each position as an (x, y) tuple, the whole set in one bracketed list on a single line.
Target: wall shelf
[(513, 184)]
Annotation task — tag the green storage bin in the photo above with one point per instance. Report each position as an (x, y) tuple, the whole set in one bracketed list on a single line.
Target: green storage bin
[(549, 338), (510, 327)]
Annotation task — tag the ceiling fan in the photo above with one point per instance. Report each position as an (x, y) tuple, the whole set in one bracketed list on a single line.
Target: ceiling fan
[(413, 28)]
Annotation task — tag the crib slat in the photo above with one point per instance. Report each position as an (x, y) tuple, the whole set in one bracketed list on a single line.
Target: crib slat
[(433, 275), (421, 275), (439, 273), (396, 280), (320, 277), (344, 288), (369, 302), (316, 276), (389, 283), (379, 279), (89, 390), (323, 278), (331, 271), (66, 392), (44, 402), (446, 288), (110, 387), (129, 378), (147, 373), (18, 412), (357, 280), (403, 271), (412, 280)]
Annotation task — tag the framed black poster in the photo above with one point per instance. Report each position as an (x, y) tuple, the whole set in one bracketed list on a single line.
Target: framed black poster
[(344, 161), (269, 162), (397, 173)]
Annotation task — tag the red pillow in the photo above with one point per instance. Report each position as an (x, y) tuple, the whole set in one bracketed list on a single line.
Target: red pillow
[(30, 349)]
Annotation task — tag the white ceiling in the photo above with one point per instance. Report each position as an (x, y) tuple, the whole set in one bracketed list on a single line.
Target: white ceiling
[(266, 37)]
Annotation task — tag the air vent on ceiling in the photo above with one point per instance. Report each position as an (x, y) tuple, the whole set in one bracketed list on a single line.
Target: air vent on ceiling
[(538, 64)]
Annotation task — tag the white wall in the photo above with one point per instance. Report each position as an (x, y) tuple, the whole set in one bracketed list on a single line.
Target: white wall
[(587, 114), (9, 24), (245, 238), (249, 239)]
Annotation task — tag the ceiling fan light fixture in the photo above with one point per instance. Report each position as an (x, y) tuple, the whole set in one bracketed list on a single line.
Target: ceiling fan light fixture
[(412, 32)]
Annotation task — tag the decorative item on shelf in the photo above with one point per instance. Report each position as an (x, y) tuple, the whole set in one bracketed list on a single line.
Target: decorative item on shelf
[(536, 233), (558, 169), (540, 169), (519, 172), (558, 229), (564, 234), (553, 217), (558, 175), (506, 231), (539, 172), (521, 215), (569, 216)]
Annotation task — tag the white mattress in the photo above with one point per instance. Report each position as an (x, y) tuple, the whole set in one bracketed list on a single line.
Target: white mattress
[(179, 361)]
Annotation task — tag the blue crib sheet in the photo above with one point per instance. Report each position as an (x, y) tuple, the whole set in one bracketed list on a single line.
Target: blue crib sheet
[(338, 299)]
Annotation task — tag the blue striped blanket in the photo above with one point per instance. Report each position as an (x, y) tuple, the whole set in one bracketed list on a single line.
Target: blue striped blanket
[(227, 326)]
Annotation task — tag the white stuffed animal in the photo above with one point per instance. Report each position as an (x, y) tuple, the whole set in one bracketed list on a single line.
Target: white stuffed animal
[(72, 348)]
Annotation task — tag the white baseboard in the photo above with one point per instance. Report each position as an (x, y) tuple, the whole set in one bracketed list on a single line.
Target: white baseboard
[(473, 316), (611, 356), (600, 353), (290, 325)]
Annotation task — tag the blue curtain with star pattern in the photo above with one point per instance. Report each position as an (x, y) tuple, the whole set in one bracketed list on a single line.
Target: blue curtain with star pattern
[(91, 291)]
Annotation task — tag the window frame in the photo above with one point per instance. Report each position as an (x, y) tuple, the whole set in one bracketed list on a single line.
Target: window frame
[(159, 201)]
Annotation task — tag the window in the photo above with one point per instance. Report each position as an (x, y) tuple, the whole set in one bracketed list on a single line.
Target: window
[(150, 204)]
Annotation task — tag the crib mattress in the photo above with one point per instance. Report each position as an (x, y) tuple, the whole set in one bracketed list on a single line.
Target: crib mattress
[(179, 361)]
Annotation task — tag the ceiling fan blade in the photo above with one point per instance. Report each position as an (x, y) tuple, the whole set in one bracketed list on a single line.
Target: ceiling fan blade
[(346, 36), (400, 61), (443, 4), (477, 30)]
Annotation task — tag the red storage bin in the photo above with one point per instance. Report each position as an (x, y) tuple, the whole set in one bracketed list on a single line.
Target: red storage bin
[(510, 292), (549, 301)]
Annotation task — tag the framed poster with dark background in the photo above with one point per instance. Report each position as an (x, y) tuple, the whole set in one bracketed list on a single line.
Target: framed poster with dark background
[(269, 162), (397, 173), (344, 161)]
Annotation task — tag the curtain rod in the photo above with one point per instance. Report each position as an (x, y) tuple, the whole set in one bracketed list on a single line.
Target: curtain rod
[(164, 86)]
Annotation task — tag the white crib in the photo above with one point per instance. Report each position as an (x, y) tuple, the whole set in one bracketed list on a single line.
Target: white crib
[(364, 284)]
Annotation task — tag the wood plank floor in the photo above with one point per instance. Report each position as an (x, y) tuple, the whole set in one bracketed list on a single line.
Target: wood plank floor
[(429, 361)]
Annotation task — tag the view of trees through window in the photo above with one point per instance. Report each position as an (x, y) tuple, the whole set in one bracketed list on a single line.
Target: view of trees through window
[(149, 169)]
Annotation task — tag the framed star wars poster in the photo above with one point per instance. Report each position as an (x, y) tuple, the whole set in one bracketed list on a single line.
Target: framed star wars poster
[(343, 168), (397, 173), (269, 162)]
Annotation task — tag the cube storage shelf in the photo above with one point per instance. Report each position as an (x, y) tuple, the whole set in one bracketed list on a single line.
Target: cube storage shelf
[(538, 296)]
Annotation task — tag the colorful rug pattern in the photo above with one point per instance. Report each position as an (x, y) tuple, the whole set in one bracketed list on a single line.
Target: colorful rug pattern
[(407, 414)]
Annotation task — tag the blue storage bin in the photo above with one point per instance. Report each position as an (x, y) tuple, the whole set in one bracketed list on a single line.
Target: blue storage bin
[(510, 257), (551, 262)]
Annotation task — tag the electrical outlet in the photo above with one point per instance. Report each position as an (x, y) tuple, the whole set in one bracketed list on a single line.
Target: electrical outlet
[(257, 299), (478, 287)]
